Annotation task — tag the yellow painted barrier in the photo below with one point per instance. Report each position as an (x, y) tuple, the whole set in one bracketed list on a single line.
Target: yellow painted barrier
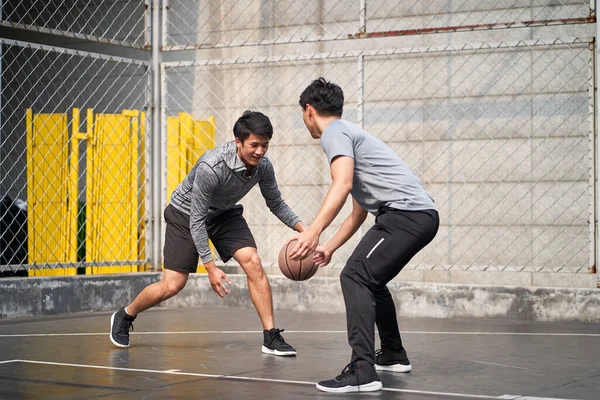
[(48, 204), (115, 192), (115, 213)]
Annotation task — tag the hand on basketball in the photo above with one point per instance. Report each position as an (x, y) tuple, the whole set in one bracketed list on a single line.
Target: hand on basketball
[(216, 278), (306, 245), (322, 256)]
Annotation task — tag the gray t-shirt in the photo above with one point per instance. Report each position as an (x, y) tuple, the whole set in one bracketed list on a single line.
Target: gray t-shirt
[(381, 178)]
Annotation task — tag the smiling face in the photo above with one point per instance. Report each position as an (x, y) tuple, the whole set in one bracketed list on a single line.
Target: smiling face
[(252, 150)]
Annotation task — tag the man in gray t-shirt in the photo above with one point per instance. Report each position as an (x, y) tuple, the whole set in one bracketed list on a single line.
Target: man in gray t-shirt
[(406, 221)]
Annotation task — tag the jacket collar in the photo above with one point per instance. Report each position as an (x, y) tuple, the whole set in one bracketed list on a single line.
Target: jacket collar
[(231, 158)]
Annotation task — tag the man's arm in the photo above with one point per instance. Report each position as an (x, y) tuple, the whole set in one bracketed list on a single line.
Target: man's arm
[(346, 231), (272, 195), (348, 228), (300, 227), (205, 183), (342, 174)]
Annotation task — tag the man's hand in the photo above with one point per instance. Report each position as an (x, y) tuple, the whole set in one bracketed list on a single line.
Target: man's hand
[(306, 244), (216, 278), (322, 256)]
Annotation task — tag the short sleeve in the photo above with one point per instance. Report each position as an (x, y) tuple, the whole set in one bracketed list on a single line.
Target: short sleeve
[(336, 142)]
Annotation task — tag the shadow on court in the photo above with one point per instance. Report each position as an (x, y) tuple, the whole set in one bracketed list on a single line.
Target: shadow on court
[(214, 353)]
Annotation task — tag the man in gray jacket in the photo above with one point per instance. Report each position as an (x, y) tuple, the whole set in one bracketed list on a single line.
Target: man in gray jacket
[(204, 206)]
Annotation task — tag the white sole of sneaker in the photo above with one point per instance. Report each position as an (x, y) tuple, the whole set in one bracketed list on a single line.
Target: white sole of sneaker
[(369, 387), (112, 321), (266, 350), (394, 368)]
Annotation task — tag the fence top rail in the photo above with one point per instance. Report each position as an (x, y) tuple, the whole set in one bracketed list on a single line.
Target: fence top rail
[(83, 36), (382, 52), (79, 53)]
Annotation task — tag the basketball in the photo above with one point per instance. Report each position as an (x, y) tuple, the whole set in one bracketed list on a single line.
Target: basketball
[(296, 270)]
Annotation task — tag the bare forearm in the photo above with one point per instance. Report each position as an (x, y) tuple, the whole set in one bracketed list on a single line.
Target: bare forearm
[(334, 201), (346, 231), (300, 227), (209, 266)]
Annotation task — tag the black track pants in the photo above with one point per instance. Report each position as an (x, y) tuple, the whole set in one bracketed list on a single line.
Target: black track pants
[(381, 254)]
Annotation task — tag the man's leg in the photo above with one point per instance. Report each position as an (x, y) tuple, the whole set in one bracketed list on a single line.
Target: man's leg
[(180, 253), (380, 255), (171, 283), (258, 284), (392, 356), (385, 318), (413, 230), (360, 374), (260, 292), (121, 321)]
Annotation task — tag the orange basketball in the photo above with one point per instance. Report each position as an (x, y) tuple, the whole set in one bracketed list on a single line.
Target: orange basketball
[(296, 270)]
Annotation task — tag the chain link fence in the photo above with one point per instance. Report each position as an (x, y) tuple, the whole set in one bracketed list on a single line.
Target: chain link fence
[(501, 133), (73, 163), (226, 23)]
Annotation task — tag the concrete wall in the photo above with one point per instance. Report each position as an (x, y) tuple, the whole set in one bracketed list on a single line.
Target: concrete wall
[(504, 154), (219, 22)]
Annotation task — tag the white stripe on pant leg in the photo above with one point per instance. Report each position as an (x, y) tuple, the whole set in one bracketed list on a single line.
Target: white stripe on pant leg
[(374, 247)]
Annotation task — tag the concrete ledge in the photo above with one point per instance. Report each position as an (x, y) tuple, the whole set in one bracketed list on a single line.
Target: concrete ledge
[(26, 297), (29, 297), (471, 277)]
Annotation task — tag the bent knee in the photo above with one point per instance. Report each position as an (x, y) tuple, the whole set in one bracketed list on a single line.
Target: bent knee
[(254, 268), (345, 275), (172, 288)]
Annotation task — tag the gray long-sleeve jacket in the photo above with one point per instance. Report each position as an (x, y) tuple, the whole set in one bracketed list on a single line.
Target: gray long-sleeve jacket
[(216, 183)]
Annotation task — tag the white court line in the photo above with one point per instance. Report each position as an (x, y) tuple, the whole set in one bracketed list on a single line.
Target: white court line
[(248, 378), (290, 331), (502, 365), (8, 361)]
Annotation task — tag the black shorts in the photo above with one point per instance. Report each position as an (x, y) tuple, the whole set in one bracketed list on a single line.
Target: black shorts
[(228, 232)]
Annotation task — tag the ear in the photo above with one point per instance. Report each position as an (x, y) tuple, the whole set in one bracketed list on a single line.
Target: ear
[(238, 143), (310, 111)]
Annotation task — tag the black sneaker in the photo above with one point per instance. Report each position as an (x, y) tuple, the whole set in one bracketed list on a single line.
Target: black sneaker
[(274, 344), (356, 377), (387, 359), (120, 325)]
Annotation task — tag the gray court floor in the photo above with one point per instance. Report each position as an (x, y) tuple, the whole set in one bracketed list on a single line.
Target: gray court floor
[(214, 353)]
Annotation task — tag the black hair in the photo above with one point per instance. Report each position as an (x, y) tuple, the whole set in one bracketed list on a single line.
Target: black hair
[(252, 122), (327, 98)]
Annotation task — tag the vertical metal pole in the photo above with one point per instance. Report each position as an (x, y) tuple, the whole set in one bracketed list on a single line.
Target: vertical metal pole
[(73, 186), (147, 23), (147, 154), (360, 108), (163, 143), (595, 149), (593, 225), (360, 111), (363, 16), (156, 139), (165, 22)]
